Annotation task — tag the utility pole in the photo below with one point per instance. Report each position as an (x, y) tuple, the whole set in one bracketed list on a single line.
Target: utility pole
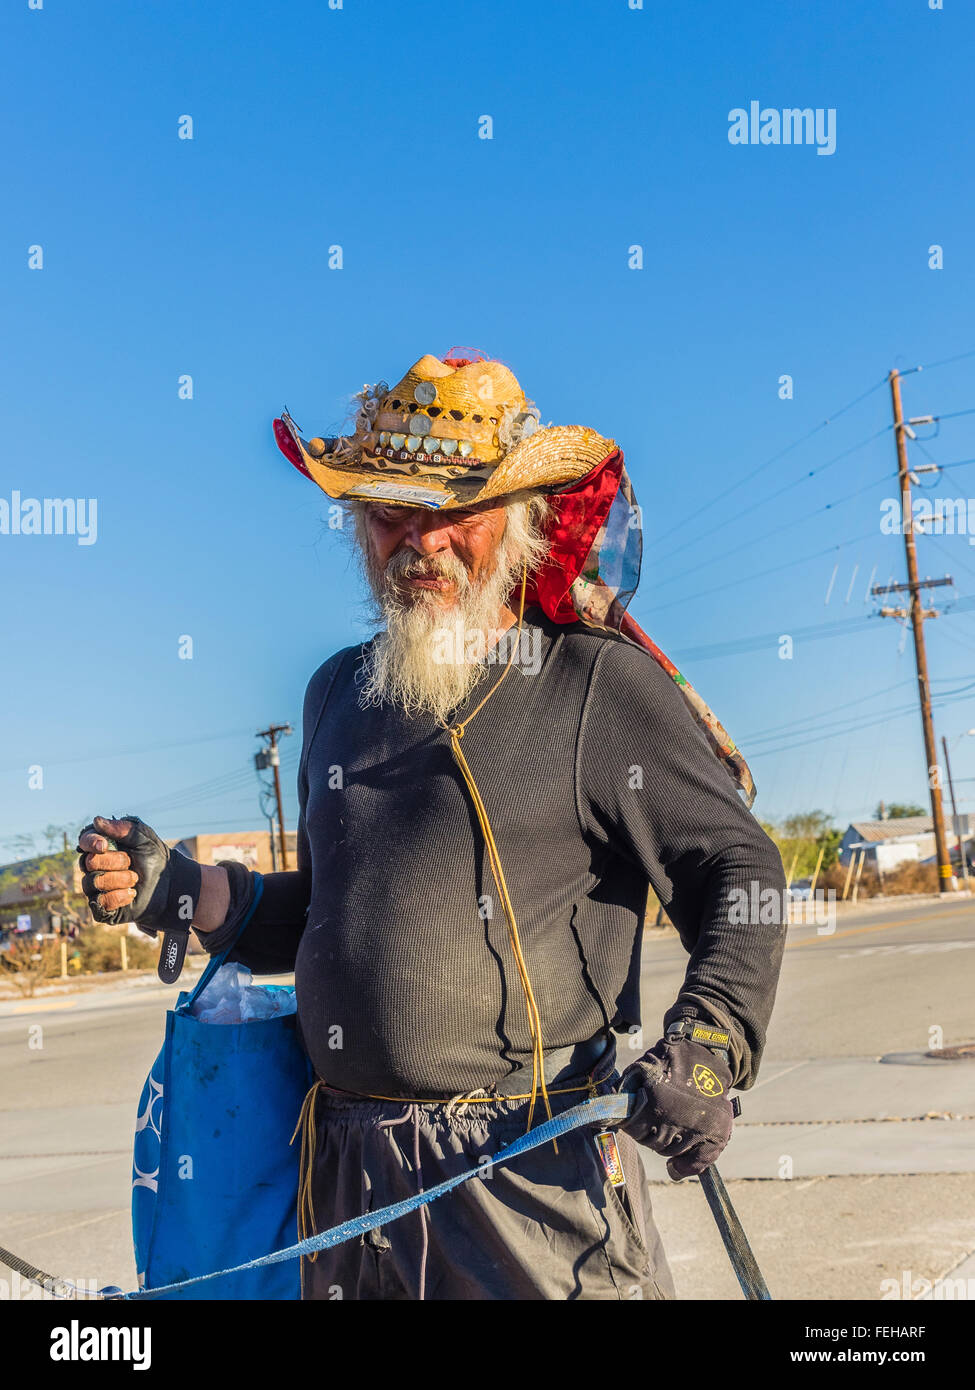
[(946, 881), (270, 757), (954, 814)]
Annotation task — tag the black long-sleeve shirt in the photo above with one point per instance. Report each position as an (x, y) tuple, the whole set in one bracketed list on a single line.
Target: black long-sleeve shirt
[(596, 780)]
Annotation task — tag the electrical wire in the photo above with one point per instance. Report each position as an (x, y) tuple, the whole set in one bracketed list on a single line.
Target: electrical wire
[(775, 569), (847, 704), (763, 501), (848, 726), (775, 531), (133, 752), (944, 361), (781, 454), (203, 792)]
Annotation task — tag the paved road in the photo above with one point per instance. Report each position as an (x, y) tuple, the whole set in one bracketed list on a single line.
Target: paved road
[(876, 1188)]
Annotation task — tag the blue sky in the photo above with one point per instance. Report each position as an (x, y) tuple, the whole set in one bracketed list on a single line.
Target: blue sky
[(358, 127)]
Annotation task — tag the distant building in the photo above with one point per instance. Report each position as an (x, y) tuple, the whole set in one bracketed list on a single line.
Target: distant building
[(251, 848), (31, 898), (32, 892), (889, 843)]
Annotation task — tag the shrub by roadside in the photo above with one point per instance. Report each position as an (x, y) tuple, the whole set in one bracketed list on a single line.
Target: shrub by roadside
[(100, 949), (906, 878), (28, 963)]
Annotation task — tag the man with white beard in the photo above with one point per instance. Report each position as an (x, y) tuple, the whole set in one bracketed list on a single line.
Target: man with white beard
[(467, 910)]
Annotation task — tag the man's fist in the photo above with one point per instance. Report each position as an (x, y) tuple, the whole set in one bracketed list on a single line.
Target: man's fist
[(121, 882), (683, 1109), (110, 882), (140, 881)]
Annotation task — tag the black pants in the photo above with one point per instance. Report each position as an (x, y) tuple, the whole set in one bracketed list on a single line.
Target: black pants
[(545, 1226)]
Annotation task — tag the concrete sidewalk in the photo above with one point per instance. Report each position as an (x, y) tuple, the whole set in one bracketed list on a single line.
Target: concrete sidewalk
[(846, 1172)]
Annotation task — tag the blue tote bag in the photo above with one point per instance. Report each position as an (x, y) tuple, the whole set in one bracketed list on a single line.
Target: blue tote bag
[(215, 1178)]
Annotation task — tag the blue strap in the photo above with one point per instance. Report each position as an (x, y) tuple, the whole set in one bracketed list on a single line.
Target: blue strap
[(216, 961), (602, 1110)]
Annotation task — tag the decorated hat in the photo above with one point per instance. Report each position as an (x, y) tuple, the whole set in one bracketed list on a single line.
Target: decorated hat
[(460, 430), (453, 432)]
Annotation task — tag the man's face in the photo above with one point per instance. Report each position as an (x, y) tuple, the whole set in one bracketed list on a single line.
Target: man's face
[(435, 575), (420, 551)]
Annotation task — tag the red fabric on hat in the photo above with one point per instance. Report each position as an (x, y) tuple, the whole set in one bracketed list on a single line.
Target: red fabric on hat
[(288, 447), (577, 514), (454, 358)]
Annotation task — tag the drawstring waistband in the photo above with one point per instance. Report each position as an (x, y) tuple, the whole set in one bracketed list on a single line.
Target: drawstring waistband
[(412, 1112), (307, 1126)]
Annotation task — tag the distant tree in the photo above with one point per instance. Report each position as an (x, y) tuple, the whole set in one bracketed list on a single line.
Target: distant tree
[(799, 839), (830, 843), (898, 810), (806, 825)]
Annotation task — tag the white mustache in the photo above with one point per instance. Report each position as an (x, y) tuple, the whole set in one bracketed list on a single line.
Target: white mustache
[(440, 566)]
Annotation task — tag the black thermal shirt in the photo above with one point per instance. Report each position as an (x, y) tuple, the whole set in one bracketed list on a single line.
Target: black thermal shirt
[(597, 781)]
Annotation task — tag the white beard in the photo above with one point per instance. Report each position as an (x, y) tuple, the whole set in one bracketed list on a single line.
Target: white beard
[(430, 656)]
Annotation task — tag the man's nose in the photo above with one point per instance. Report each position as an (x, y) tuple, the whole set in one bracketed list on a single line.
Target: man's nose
[(427, 535)]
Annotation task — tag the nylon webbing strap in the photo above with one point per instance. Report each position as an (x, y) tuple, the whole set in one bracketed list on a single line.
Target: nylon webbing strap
[(602, 1110)]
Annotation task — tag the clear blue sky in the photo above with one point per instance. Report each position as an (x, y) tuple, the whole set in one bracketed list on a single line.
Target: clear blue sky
[(359, 127)]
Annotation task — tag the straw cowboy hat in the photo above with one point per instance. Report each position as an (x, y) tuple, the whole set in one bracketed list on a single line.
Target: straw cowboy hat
[(454, 431)]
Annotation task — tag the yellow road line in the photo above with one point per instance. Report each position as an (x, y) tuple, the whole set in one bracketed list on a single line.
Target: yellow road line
[(859, 931)]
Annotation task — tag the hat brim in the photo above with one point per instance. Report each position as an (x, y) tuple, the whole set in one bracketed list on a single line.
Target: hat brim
[(548, 459)]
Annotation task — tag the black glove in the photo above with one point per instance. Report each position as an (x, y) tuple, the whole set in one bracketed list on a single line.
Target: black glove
[(166, 896), (683, 1109)]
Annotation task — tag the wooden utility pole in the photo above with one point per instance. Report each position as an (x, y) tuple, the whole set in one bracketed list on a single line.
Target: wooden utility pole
[(946, 881), (954, 813), (274, 761)]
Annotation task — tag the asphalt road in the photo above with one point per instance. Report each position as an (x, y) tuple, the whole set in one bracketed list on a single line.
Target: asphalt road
[(872, 1188)]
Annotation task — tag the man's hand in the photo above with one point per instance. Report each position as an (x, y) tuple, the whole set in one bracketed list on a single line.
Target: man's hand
[(121, 882), (683, 1109), (140, 881)]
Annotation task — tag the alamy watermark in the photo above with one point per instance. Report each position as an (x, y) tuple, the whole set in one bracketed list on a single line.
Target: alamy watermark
[(909, 1287), (455, 645), (50, 516), (793, 125), (18, 1289), (939, 516), (758, 906)]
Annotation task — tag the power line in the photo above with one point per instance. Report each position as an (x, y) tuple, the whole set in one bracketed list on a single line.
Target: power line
[(860, 699), (774, 531), (206, 791), (775, 569), (763, 501), (852, 726), (944, 361), (132, 752), (781, 454)]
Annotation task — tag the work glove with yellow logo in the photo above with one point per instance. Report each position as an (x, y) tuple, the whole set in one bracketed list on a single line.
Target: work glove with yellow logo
[(683, 1109)]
